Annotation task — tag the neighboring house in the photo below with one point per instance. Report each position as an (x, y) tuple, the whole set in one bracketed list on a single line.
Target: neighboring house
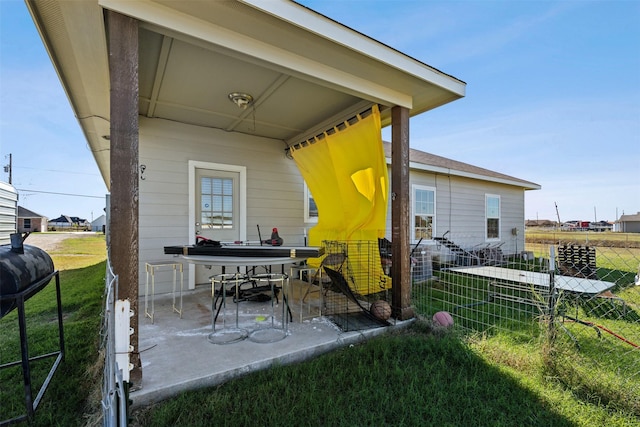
[(29, 221), (99, 224), (546, 223), (601, 226), (629, 223), (8, 212), (65, 222), (580, 225)]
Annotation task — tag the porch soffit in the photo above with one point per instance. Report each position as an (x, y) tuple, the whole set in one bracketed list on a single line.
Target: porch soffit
[(357, 65), (194, 53), (261, 41)]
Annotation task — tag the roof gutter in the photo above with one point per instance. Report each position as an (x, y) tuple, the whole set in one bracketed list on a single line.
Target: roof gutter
[(298, 15)]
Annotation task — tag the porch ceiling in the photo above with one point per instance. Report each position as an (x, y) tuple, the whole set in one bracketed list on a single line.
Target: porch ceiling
[(304, 71), (190, 83)]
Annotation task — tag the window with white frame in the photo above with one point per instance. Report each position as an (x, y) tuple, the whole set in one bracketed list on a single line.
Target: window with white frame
[(492, 215), (424, 212), (310, 208)]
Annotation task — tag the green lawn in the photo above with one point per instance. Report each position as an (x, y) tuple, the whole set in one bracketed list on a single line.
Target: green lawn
[(585, 237), (416, 377), (419, 376)]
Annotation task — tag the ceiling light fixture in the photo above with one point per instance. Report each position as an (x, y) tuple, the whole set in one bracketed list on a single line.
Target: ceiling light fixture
[(242, 100)]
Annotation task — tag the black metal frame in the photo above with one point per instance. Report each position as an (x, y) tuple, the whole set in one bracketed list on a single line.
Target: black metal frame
[(247, 251), (31, 404)]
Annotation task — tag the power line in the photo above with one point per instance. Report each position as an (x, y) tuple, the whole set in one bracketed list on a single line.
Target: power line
[(55, 170), (60, 194)]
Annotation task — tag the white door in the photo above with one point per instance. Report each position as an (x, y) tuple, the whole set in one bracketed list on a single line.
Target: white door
[(218, 208)]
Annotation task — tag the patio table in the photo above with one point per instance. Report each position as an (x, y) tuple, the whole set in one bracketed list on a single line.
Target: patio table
[(246, 261)]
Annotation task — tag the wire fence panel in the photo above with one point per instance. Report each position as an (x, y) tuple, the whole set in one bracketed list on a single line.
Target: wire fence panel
[(587, 284), (598, 312), (355, 283)]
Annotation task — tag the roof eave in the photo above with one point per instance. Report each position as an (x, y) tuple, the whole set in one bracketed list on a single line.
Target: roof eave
[(446, 171), (316, 23), (525, 185)]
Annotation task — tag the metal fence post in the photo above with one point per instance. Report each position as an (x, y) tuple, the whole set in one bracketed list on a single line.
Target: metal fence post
[(552, 292)]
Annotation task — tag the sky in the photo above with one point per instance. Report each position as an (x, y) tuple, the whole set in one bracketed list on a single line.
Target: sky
[(52, 166), (553, 97)]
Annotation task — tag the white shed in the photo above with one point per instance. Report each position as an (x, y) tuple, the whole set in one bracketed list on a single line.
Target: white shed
[(99, 224), (8, 212)]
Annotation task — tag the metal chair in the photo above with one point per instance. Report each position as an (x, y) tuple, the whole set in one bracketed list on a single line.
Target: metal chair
[(228, 334)]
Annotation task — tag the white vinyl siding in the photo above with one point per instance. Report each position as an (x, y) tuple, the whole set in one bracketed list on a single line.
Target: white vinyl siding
[(8, 212), (274, 187), (460, 209)]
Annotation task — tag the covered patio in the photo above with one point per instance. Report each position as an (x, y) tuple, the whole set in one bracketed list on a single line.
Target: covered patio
[(178, 356), (175, 98)]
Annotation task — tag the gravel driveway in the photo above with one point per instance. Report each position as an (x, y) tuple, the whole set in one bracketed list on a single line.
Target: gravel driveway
[(50, 241)]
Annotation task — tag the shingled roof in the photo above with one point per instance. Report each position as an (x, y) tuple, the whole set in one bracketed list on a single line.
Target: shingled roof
[(630, 218), (26, 213), (421, 160)]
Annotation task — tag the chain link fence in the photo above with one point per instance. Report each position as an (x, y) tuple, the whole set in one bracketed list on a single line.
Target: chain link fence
[(579, 292)]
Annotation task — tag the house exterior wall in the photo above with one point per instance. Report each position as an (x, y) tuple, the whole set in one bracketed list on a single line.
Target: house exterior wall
[(275, 190), (99, 224), (57, 225), (460, 210), (630, 227), (64, 226), (38, 224), (275, 194)]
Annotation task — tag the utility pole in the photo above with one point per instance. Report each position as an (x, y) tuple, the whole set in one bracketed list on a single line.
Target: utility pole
[(9, 168), (558, 215)]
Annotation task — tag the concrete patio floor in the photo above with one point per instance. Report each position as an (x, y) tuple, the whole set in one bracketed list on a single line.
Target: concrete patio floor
[(177, 355)]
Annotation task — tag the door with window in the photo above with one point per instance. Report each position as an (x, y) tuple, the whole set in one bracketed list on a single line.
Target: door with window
[(217, 205), (217, 209)]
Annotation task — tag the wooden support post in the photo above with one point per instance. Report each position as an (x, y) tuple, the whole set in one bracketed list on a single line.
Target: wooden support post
[(401, 269), (123, 251)]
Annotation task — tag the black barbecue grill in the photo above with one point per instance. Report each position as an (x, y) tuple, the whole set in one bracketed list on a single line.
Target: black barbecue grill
[(24, 271)]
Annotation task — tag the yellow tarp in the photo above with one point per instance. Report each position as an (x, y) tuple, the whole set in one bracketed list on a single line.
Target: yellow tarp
[(347, 175)]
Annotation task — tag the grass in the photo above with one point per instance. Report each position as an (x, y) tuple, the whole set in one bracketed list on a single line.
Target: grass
[(419, 376), (631, 240), (78, 252), (82, 286), (587, 400), (614, 251)]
